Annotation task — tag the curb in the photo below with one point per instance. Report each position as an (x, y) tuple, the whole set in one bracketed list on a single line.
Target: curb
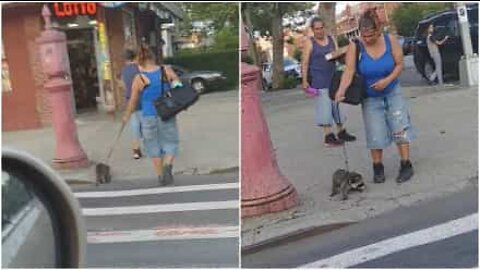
[(293, 236)]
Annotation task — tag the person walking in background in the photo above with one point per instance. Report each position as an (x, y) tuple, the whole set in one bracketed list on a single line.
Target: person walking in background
[(160, 138), (434, 51), (317, 75), (384, 109), (129, 71)]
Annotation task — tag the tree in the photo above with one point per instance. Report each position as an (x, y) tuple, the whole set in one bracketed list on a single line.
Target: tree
[(267, 17), (407, 16), (247, 20), (219, 18), (221, 14), (326, 11)]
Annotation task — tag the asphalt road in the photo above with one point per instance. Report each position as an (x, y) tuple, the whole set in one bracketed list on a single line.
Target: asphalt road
[(441, 233), (136, 224)]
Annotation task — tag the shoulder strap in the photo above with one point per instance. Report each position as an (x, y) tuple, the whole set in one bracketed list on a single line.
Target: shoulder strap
[(163, 79), (357, 51), (388, 42)]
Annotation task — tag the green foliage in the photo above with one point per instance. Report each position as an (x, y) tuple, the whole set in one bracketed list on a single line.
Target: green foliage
[(226, 62), (226, 38), (262, 13), (342, 41), (221, 14), (248, 59), (408, 15), (297, 54), (290, 40), (290, 82)]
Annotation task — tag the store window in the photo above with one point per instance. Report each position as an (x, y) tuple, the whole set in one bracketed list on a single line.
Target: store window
[(6, 84), (129, 30)]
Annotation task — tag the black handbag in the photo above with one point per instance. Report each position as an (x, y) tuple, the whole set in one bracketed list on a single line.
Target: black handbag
[(174, 100), (355, 93)]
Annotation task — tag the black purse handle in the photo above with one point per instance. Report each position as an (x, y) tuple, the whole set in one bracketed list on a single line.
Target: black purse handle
[(162, 80), (357, 53)]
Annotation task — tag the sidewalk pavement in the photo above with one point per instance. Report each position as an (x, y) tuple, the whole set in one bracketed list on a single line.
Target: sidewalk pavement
[(444, 156), (208, 141)]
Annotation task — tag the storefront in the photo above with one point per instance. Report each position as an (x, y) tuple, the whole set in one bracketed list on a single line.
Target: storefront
[(97, 35), (93, 74)]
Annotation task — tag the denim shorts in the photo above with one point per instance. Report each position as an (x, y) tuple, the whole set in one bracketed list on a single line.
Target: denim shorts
[(135, 125), (160, 138), (387, 120), (327, 112)]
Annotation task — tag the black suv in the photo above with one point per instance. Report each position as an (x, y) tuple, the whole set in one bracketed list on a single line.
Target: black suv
[(445, 23)]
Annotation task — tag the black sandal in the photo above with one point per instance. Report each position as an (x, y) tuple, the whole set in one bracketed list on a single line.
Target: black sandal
[(137, 154)]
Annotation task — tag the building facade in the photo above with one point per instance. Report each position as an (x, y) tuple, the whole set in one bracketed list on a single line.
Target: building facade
[(347, 21), (97, 35)]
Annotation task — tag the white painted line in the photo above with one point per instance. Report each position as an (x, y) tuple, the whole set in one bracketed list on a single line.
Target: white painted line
[(161, 208), (162, 234), (399, 243), (159, 190)]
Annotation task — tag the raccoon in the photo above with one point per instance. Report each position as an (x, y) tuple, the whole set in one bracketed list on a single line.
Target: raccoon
[(343, 182)]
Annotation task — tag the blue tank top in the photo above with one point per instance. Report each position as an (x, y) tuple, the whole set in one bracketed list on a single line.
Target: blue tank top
[(319, 69), (373, 70), (152, 91)]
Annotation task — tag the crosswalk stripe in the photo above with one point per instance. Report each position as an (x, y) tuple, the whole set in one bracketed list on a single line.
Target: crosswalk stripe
[(159, 190), (399, 243), (165, 233), (161, 208)]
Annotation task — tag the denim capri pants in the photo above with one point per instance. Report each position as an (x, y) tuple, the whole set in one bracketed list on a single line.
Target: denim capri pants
[(135, 125), (327, 112), (160, 138), (387, 120)]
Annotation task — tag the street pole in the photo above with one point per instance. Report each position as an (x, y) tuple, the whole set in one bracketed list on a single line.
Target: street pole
[(264, 188), (52, 46), (468, 63)]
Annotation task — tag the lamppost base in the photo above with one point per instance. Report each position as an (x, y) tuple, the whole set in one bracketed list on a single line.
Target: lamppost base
[(71, 163), (285, 199)]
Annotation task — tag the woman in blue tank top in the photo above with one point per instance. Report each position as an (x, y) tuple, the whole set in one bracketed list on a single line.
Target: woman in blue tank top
[(160, 138), (317, 74), (385, 112)]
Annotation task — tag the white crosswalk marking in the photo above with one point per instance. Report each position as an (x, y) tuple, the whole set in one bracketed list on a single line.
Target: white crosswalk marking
[(399, 243), (135, 226), (159, 190), (160, 208)]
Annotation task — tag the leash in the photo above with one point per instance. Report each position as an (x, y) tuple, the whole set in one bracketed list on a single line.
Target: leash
[(345, 156)]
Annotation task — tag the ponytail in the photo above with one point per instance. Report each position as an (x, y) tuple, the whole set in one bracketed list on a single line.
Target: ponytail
[(144, 55)]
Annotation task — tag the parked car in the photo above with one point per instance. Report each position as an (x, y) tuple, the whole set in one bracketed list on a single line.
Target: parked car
[(201, 80), (291, 68), (408, 45), (446, 23)]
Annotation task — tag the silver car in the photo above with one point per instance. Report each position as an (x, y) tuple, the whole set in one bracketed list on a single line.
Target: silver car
[(201, 80)]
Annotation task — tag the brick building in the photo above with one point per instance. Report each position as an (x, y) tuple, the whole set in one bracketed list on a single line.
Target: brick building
[(347, 20), (97, 34)]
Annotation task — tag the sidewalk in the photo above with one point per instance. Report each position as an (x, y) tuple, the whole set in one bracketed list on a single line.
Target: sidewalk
[(208, 141), (444, 156)]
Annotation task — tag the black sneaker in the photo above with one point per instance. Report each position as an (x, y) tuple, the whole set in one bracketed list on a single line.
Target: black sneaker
[(406, 171), (167, 175), (378, 173), (345, 136), (332, 141)]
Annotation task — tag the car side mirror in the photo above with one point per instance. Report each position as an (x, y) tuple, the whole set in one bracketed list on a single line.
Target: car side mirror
[(42, 226)]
